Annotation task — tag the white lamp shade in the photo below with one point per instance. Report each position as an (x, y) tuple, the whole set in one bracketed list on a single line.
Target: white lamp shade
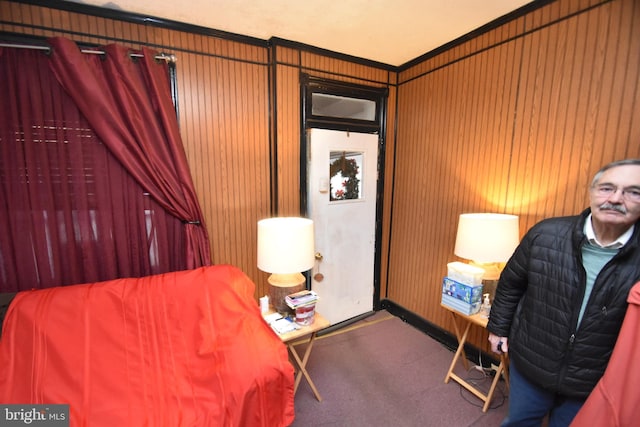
[(487, 237), (285, 245)]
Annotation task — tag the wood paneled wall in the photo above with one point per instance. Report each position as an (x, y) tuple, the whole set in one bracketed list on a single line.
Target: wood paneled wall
[(224, 117), (239, 115), (515, 121)]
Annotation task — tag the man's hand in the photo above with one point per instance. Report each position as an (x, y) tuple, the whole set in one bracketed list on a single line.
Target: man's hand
[(499, 344)]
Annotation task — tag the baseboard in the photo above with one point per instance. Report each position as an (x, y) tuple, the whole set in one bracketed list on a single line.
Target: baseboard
[(344, 324), (444, 337)]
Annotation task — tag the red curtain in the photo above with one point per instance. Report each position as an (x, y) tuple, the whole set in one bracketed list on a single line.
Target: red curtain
[(94, 179)]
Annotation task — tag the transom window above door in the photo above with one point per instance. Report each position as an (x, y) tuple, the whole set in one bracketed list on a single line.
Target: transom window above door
[(323, 104), (331, 104)]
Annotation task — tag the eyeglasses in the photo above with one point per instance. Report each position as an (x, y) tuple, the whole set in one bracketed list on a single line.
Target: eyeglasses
[(630, 194)]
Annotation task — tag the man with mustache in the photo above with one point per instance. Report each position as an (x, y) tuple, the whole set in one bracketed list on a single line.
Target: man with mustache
[(562, 297)]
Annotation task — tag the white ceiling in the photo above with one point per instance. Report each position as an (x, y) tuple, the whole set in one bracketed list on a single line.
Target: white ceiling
[(389, 31)]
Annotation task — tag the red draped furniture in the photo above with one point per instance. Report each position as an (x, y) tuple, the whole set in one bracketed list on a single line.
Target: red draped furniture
[(187, 348)]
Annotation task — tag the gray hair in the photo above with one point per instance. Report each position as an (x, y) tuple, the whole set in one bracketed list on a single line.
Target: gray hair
[(625, 162)]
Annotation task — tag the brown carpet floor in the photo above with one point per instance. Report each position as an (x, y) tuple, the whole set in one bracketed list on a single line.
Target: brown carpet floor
[(382, 371)]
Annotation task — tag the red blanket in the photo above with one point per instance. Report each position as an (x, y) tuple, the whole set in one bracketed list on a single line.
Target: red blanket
[(178, 349)]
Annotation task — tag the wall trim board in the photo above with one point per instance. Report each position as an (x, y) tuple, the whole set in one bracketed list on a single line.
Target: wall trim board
[(490, 26), (42, 41), (277, 41), (317, 72), (446, 338), (144, 20), (527, 8), (195, 29)]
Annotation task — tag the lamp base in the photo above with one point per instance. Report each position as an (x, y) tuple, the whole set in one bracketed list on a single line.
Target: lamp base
[(281, 285), (492, 271)]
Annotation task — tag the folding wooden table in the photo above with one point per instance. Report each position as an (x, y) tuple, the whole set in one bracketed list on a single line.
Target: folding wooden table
[(462, 323), (306, 334)]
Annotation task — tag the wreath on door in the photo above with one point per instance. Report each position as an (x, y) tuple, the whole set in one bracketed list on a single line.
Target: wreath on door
[(350, 185)]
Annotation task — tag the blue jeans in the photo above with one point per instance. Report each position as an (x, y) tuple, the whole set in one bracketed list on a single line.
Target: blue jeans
[(529, 404)]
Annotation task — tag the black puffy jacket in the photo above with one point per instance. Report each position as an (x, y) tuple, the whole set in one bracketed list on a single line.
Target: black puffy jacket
[(538, 300)]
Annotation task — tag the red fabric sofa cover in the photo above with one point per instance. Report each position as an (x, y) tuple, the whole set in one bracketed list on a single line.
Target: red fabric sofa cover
[(186, 348)]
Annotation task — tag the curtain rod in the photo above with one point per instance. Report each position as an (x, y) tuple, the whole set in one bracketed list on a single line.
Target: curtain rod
[(163, 56)]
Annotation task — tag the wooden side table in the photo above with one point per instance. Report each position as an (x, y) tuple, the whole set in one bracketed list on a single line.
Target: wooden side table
[(307, 334), (462, 323)]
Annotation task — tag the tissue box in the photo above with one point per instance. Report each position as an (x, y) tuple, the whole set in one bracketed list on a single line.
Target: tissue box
[(461, 296), (462, 291), (460, 305), (465, 273)]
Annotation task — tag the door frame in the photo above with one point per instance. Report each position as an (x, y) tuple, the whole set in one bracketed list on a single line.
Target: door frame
[(310, 85)]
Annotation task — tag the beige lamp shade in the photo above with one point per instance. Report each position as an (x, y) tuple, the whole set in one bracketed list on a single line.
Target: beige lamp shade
[(285, 245), (285, 249), (487, 237)]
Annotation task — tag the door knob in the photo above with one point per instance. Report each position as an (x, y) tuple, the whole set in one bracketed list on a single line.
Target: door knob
[(318, 277)]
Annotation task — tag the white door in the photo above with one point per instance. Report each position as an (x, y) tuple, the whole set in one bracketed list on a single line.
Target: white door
[(342, 182)]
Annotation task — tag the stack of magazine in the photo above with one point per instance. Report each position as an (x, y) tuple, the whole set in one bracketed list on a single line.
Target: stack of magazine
[(300, 299)]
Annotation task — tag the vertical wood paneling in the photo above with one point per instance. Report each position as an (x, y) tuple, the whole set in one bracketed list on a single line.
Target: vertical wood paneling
[(518, 127), (516, 120), (224, 119), (229, 159), (343, 70), (288, 140), (287, 56)]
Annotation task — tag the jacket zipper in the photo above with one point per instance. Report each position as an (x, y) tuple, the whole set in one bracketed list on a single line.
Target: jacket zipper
[(603, 310), (574, 317)]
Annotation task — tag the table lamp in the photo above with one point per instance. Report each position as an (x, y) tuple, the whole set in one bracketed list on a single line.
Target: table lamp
[(285, 249), (487, 240)]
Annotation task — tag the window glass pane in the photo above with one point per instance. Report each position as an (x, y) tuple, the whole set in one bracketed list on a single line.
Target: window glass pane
[(345, 170), (326, 105)]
